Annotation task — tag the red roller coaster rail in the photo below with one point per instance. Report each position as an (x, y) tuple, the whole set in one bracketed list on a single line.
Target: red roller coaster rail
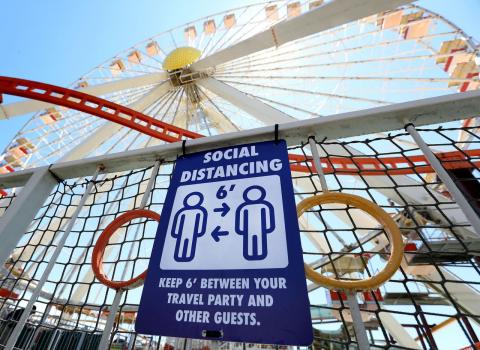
[(95, 106)]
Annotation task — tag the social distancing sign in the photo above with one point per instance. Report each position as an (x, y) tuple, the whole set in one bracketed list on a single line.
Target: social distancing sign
[(227, 263), (209, 217)]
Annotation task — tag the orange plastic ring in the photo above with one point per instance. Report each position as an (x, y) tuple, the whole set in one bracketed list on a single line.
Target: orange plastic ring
[(99, 249), (391, 229)]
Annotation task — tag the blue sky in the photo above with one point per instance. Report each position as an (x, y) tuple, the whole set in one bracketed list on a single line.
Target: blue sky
[(57, 41)]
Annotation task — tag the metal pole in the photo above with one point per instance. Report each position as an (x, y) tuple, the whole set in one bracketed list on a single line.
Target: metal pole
[(188, 344), (470, 329), (318, 164), (184, 343), (360, 331), (51, 263), (131, 342), (426, 328), (18, 217), (42, 320), (105, 340), (457, 195)]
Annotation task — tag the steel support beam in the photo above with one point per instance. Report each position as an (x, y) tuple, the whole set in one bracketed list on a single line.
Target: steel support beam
[(399, 333), (358, 325), (12, 340), (453, 189), (221, 122), (467, 297), (20, 214)]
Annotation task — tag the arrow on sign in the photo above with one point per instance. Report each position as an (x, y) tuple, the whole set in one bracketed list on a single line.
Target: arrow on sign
[(216, 233), (223, 210)]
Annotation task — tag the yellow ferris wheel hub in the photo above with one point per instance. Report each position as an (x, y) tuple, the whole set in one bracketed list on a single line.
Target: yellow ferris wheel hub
[(181, 57)]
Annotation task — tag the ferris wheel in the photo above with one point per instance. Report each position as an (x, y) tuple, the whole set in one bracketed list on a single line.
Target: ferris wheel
[(262, 64), (252, 66)]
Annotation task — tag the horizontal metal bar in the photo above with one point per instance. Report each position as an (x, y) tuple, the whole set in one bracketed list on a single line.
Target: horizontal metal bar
[(387, 118), (17, 179)]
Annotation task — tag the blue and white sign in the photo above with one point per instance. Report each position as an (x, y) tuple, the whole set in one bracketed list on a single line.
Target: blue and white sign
[(227, 261)]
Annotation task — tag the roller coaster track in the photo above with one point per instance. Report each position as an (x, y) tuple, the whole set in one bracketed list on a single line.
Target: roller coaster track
[(95, 106)]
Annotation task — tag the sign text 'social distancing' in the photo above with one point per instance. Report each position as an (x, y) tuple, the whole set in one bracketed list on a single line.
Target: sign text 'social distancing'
[(227, 262)]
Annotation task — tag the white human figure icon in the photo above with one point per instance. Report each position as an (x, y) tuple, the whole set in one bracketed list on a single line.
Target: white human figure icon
[(254, 219), (189, 223)]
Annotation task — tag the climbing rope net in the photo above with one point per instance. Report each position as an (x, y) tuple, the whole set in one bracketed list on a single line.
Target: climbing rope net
[(432, 297)]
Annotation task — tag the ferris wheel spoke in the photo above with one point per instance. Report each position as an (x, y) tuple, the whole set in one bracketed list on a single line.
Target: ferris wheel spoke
[(267, 59), (218, 117), (68, 136), (221, 71), (229, 110), (338, 39), (178, 94), (152, 58), (219, 120), (206, 49), (71, 124), (254, 107), (161, 108), (127, 83), (57, 146), (296, 108), (376, 45), (308, 92), (148, 67), (180, 117), (286, 47), (68, 131), (125, 143), (155, 107), (322, 18), (151, 97), (132, 72), (418, 79), (235, 114), (109, 129), (39, 131), (226, 35), (212, 39), (241, 30), (345, 28)]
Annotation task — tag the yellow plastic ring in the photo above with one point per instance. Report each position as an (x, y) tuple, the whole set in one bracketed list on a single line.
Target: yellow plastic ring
[(391, 229)]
